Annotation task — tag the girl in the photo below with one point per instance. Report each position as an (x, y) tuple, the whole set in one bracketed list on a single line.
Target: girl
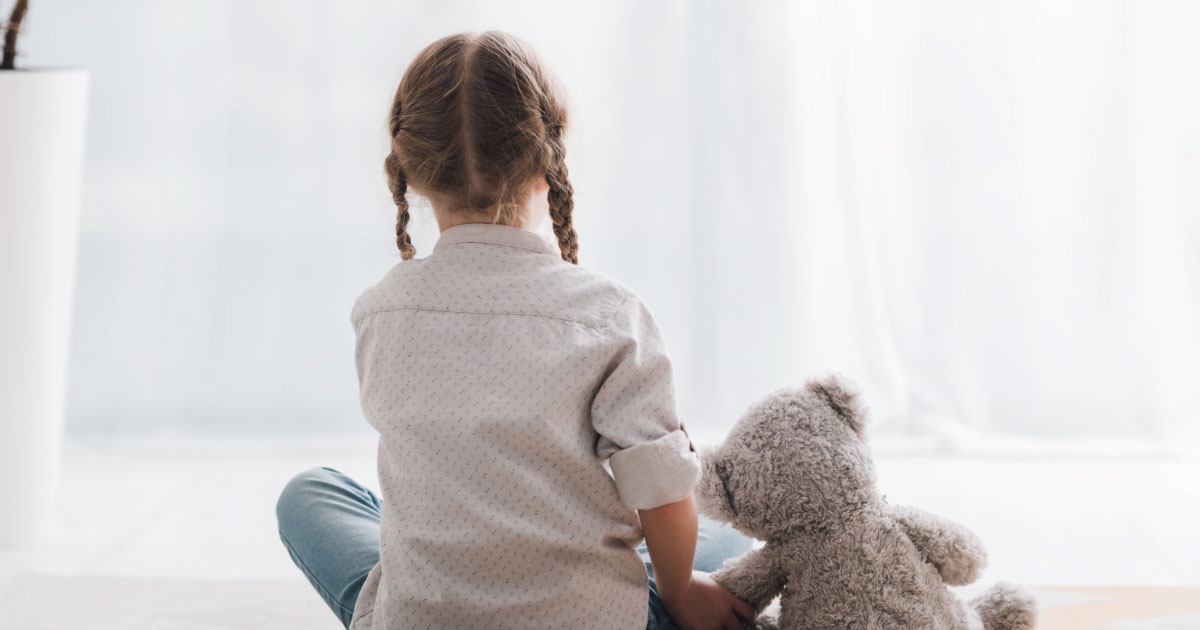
[(528, 438)]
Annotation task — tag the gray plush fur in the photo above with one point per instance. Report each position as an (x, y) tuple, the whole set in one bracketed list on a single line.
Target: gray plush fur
[(796, 472)]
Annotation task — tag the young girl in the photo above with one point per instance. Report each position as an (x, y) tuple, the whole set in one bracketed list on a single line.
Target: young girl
[(528, 437)]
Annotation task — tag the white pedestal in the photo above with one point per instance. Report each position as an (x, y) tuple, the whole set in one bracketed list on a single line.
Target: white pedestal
[(43, 116)]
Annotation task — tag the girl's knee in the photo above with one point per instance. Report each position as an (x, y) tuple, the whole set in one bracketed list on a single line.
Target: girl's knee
[(299, 490), (730, 541), (717, 543)]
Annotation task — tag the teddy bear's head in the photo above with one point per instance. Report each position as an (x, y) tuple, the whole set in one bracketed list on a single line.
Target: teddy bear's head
[(796, 461)]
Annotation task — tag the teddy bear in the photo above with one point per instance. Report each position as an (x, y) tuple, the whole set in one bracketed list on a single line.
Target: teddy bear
[(795, 471)]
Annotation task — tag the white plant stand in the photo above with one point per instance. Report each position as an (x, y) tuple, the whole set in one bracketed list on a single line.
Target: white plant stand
[(43, 117)]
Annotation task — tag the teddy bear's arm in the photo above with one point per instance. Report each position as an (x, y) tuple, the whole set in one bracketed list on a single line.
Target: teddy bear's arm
[(756, 576), (957, 552)]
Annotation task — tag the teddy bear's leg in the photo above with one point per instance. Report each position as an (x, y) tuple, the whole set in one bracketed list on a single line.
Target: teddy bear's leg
[(955, 550), (1006, 607)]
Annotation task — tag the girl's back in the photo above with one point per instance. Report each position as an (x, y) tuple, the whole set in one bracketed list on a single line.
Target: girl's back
[(500, 377)]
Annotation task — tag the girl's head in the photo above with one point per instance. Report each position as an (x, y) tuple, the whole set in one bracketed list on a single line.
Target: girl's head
[(477, 126)]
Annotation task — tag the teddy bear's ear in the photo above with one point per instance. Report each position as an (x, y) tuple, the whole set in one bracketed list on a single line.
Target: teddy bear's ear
[(712, 493), (844, 397)]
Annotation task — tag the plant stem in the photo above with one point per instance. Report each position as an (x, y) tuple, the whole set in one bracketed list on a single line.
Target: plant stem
[(10, 36)]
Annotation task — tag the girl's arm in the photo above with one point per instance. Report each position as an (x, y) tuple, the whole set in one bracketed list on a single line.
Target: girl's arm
[(671, 532), (691, 598)]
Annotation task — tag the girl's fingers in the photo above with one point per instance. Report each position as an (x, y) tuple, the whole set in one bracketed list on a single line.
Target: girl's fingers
[(732, 622), (744, 609)]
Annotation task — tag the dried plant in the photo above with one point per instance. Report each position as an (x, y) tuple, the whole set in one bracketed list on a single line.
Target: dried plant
[(11, 30)]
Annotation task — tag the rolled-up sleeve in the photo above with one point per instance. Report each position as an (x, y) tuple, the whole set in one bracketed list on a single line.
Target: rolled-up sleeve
[(651, 455)]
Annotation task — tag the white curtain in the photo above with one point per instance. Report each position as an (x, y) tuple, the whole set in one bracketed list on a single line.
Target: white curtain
[(987, 214), (990, 211)]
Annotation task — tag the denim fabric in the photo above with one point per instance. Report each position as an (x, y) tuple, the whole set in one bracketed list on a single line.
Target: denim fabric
[(329, 525)]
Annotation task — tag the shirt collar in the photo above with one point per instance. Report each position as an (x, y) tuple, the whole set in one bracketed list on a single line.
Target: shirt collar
[(497, 234)]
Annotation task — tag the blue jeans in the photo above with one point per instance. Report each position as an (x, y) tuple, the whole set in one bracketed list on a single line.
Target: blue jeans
[(330, 526)]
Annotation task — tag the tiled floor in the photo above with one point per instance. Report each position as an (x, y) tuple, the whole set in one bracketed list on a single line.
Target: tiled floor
[(207, 511)]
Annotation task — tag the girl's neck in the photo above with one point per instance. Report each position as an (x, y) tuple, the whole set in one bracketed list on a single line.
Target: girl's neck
[(450, 219), (534, 212)]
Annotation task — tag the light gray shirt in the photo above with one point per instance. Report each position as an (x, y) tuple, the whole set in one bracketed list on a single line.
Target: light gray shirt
[(525, 409)]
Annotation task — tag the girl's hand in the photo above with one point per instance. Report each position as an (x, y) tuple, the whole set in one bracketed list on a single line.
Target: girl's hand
[(706, 605)]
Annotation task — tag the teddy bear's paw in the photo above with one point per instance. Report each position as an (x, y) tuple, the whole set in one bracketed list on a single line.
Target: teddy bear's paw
[(768, 619), (1006, 607)]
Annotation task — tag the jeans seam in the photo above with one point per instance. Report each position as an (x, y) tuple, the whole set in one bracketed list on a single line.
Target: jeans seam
[(324, 590)]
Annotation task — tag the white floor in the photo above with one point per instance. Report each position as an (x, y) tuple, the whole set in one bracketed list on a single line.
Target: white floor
[(207, 511)]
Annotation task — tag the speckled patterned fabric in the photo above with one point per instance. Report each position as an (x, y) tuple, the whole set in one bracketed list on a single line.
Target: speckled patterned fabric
[(525, 409)]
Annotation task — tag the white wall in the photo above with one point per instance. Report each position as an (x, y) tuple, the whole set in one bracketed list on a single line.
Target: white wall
[(986, 214)]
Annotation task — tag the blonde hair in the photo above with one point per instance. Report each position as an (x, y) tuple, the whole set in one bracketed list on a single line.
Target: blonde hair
[(475, 119)]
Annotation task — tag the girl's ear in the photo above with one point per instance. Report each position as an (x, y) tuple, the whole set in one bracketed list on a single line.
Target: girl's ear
[(712, 493)]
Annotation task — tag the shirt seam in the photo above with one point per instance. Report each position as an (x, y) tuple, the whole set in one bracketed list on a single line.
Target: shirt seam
[(531, 248), (616, 309), (447, 310)]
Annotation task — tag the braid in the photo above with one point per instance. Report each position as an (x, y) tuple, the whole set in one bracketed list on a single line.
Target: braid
[(399, 186), (560, 198)]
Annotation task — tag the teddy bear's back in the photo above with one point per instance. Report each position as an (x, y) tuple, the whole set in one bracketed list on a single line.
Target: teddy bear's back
[(867, 574)]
